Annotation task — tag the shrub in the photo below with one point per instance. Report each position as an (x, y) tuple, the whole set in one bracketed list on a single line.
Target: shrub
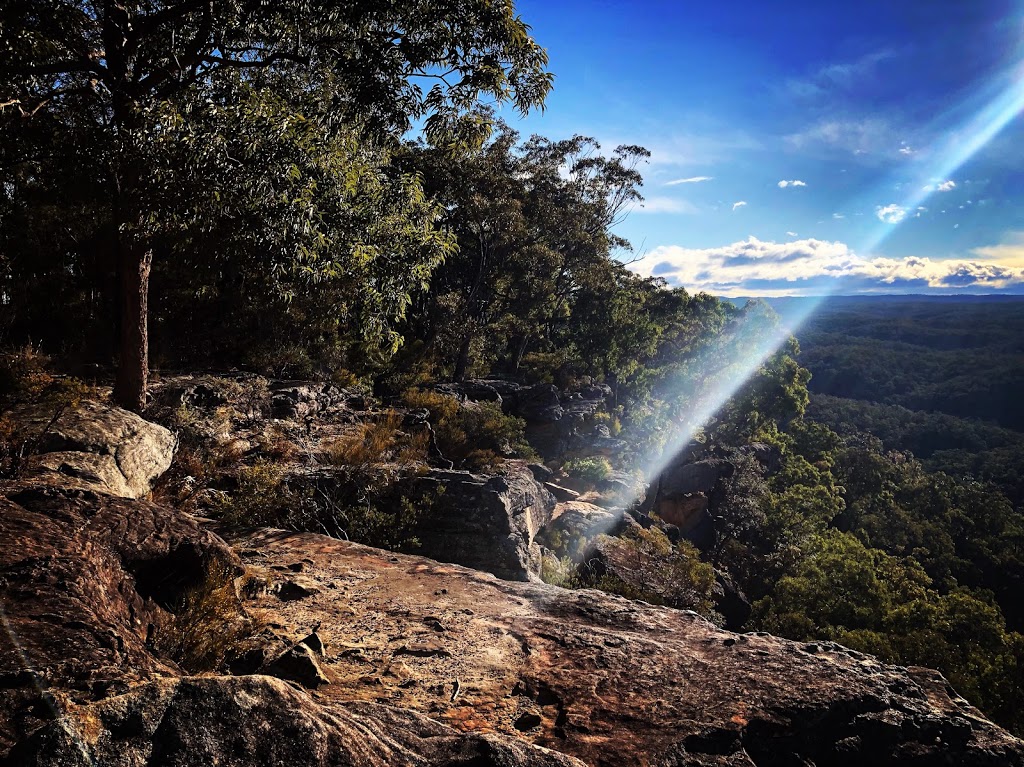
[(207, 625), (594, 469), (473, 435), (648, 566), (376, 442), (260, 495), (611, 421)]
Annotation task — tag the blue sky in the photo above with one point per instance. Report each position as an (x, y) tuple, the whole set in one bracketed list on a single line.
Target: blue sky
[(805, 147)]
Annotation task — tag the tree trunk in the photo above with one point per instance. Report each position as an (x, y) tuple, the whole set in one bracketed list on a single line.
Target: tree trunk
[(463, 361), (133, 267)]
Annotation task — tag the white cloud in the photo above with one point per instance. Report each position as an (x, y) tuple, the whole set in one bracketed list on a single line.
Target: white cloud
[(740, 204), (791, 234), (838, 216), (1008, 253), (867, 136), (809, 266), (796, 182), (891, 214), (666, 205), (906, 150), (693, 180), (946, 186)]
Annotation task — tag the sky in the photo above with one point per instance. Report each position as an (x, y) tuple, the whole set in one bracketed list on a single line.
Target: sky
[(804, 148)]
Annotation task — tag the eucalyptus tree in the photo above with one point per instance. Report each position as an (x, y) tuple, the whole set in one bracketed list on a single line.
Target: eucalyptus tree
[(534, 223), (154, 83)]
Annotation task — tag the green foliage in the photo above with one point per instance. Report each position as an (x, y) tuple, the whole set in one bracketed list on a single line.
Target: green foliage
[(647, 566), (473, 435), (591, 470)]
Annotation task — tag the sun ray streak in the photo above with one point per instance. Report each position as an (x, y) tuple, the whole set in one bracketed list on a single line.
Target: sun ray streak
[(63, 720)]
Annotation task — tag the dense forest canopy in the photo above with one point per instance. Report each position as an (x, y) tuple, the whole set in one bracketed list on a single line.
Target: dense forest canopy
[(237, 180)]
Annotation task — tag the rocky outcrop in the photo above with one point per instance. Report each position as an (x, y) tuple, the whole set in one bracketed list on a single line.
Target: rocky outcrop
[(97, 447), (607, 680), (368, 658), (557, 422), (575, 526), (487, 523), (257, 721), (83, 578), (303, 399)]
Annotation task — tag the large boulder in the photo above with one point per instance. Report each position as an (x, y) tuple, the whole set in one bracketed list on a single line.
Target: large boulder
[(608, 680), (575, 526), (488, 523), (83, 579), (690, 478), (257, 721), (97, 447)]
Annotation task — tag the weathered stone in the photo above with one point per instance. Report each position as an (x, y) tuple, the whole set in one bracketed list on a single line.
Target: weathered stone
[(697, 477), (617, 682), (83, 578), (561, 493), (97, 447), (685, 512), (304, 399), (258, 721), (575, 525), (298, 664), (489, 523), (297, 588)]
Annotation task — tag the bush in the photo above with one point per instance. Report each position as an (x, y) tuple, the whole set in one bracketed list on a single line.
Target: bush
[(474, 435), (648, 566), (208, 624), (260, 496), (595, 469), (376, 442)]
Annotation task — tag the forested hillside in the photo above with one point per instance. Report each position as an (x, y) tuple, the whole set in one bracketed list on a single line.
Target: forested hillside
[(271, 192)]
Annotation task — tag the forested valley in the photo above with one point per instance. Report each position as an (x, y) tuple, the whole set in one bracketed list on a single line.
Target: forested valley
[(255, 197)]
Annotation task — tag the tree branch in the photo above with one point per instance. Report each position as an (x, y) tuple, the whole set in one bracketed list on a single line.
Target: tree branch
[(69, 66)]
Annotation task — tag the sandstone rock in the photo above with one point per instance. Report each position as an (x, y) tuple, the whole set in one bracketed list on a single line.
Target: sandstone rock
[(697, 477), (685, 512), (575, 525), (616, 682), (489, 523), (303, 399), (297, 588), (298, 664), (561, 493), (258, 721), (83, 577), (98, 447)]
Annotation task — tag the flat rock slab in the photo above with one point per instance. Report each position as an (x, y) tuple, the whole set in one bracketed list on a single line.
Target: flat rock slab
[(604, 679)]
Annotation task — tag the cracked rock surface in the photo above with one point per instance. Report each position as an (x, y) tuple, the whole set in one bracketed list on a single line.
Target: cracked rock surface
[(99, 447), (604, 679)]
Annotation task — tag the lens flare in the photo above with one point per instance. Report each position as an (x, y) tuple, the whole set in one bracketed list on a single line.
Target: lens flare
[(62, 719), (1002, 103)]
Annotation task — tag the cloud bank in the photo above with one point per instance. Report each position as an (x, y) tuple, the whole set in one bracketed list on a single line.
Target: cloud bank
[(814, 267), (795, 182)]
